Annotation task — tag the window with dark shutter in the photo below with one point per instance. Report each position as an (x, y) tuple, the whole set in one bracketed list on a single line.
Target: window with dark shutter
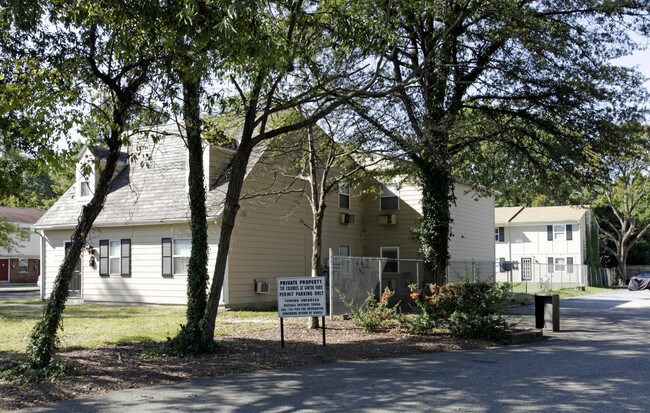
[(103, 257), (166, 257), (550, 264), (126, 257), (569, 232), (549, 232), (502, 234)]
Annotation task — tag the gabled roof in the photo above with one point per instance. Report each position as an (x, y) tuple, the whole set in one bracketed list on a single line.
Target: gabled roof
[(531, 215), (152, 189), (21, 215)]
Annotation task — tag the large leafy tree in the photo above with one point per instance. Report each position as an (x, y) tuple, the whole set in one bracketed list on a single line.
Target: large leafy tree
[(624, 203), (293, 54), (94, 59), (532, 78)]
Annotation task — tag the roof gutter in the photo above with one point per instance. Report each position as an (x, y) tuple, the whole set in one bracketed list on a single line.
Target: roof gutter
[(122, 224)]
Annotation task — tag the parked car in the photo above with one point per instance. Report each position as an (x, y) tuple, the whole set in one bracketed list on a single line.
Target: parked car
[(639, 281)]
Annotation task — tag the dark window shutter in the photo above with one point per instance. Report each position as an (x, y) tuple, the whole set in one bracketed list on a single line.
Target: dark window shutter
[(550, 264), (103, 257), (166, 257), (569, 264), (502, 234), (126, 257), (569, 232), (501, 261), (549, 232)]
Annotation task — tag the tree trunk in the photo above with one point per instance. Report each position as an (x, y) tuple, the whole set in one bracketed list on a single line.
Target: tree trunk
[(434, 232), (231, 206), (316, 253), (190, 337), (43, 344)]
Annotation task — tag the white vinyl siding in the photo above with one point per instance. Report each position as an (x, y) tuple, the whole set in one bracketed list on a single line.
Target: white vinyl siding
[(145, 286)]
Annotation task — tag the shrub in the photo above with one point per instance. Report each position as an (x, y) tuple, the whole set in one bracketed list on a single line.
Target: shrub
[(479, 310), (372, 316), (468, 309)]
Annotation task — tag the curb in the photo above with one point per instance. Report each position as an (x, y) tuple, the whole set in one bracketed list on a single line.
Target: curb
[(522, 336)]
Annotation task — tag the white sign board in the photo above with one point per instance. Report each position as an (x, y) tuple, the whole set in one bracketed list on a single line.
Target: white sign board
[(301, 297)]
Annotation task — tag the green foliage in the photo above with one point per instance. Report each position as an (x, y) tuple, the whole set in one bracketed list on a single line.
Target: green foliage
[(373, 315), (8, 235), (26, 374), (188, 343), (479, 310), (592, 252), (467, 310)]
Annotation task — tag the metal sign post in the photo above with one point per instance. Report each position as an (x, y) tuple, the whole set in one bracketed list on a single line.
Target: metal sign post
[(301, 297)]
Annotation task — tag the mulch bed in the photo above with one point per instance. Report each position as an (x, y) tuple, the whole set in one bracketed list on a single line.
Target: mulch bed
[(106, 369)]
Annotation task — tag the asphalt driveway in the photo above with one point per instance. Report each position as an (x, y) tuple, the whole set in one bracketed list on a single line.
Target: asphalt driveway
[(598, 362)]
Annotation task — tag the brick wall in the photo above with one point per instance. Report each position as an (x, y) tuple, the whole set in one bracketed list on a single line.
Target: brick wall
[(20, 274)]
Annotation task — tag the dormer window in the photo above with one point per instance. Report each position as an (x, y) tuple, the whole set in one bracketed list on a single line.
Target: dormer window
[(85, 175), (85, 184)]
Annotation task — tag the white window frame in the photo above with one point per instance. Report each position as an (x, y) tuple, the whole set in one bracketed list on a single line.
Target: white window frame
[(345, 251), (175, 271), (559, 232), (112, 268), (496, 234), (344, 193), (88, 181), (396, 259), (389, 190), (559, 264), (25, 234)]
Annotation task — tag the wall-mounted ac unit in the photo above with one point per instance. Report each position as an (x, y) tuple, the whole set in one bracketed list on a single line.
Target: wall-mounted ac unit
[(388, 219), (346, 218), (261, 287)]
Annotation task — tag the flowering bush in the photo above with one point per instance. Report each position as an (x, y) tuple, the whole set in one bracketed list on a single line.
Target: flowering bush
[(372, 315), (468, 309)]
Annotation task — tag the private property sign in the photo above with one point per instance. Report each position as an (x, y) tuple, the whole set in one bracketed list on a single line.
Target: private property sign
[(301, 297)]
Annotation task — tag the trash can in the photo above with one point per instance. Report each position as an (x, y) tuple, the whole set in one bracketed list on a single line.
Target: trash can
[(547, 311)]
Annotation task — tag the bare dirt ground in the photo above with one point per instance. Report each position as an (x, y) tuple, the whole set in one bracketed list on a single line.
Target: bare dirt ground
[(106, 369)]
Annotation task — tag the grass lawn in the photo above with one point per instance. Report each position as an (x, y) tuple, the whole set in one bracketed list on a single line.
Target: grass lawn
[(525, 294), (89, 325)]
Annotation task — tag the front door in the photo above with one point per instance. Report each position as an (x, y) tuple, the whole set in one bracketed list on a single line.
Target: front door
[(4, 270), (75, 282), (526, 269)]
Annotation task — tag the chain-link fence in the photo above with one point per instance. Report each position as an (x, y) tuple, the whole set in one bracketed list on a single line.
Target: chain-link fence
[(458, 271), (353, 279), (532, 277)]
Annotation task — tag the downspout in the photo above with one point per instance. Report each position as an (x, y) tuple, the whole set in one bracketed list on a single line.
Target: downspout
[(510, 242), (41, 264)]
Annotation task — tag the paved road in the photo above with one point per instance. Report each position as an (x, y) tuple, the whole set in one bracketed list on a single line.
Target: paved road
[(599, 362)]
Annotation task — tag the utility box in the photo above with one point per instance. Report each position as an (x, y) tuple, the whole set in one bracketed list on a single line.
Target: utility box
[(547, 311)]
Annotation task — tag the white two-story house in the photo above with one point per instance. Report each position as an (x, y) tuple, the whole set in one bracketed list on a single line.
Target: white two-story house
[(541, 242)]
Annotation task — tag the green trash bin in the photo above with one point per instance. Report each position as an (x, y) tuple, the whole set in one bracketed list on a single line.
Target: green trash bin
[(547, 311)]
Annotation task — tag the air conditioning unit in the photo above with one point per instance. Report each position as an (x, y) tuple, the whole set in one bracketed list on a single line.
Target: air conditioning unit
[(261, 287), (388, 219), (346, 218)]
